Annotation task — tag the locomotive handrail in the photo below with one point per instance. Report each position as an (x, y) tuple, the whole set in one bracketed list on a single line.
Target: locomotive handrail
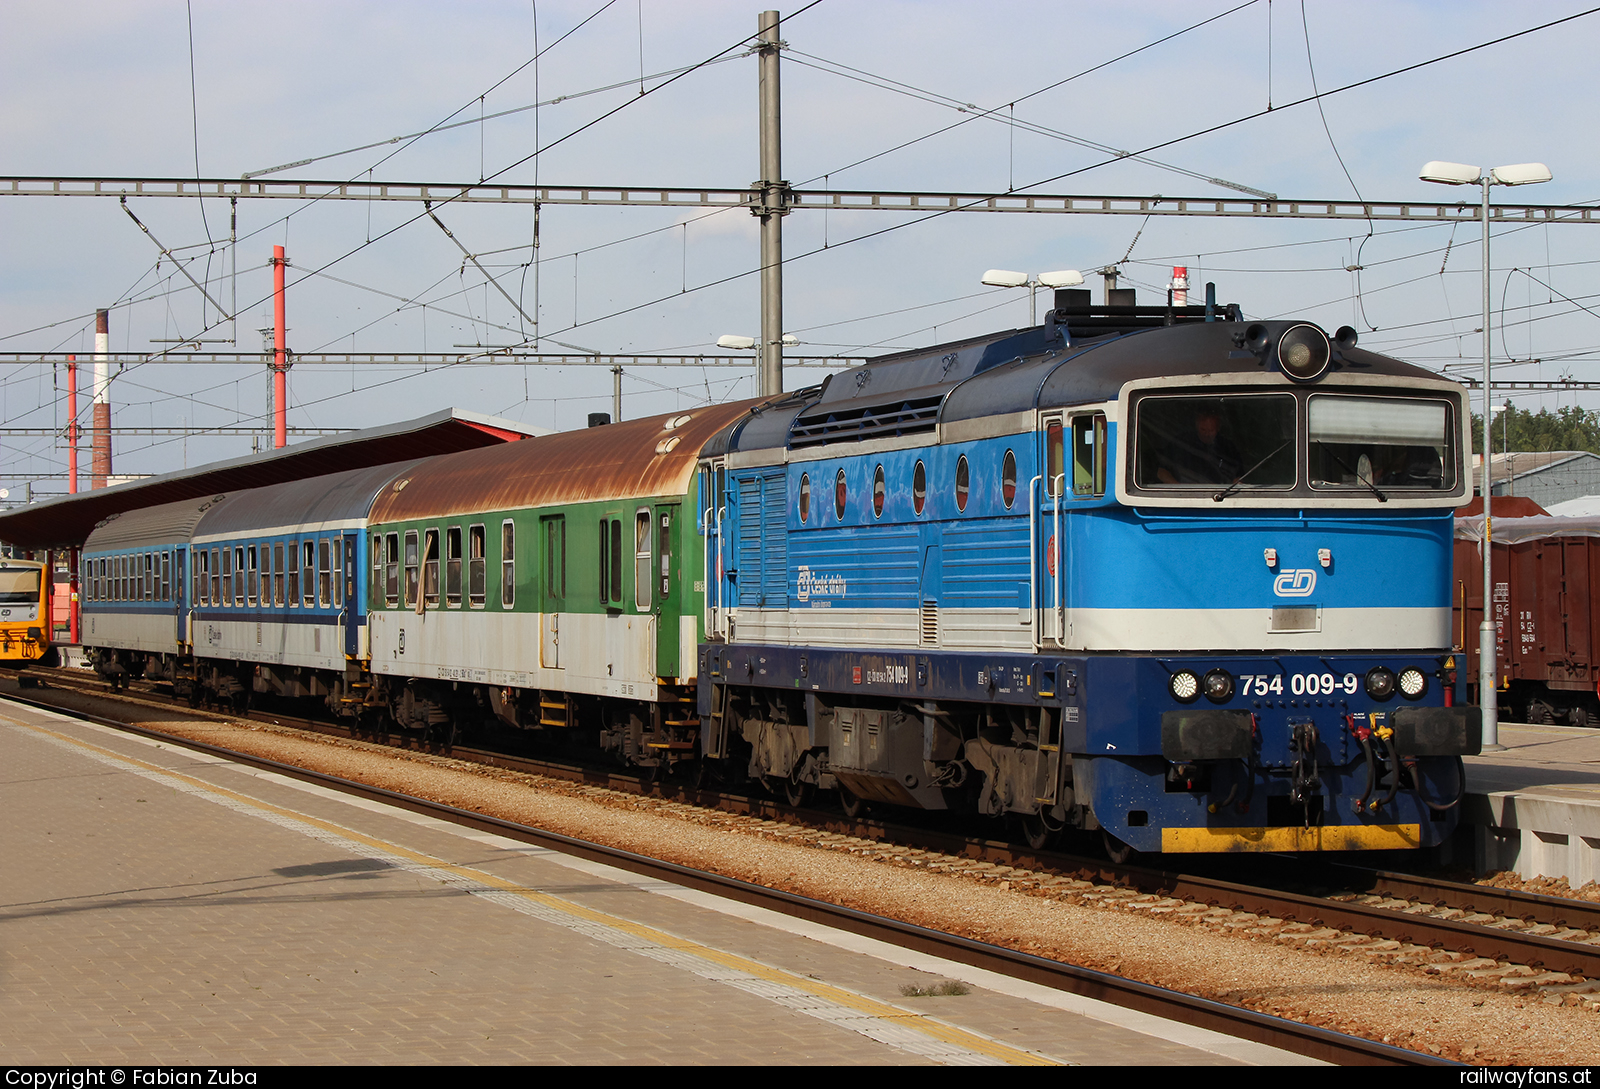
[(1058, 485), (1036, 618)]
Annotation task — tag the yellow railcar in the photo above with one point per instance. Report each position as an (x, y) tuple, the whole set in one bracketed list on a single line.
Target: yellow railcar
[(24, 612)]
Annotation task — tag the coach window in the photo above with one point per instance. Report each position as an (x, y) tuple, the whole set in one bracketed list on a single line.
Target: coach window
[(430, 568), (452, 567), (325, 572), (202, 576), (238, 575), (477, 566), (805, 497), (292, 573), (308, 572), (963, 483), (641, 560), (664, 552), (877, 493), (508, 563), (250, 575), (149, 576), (216, 577), (1089, 455), (166, 576), (227, 576), (1055, 460), (391, 570), (267, 574), (610, 562), (278, 571), (341, 564)]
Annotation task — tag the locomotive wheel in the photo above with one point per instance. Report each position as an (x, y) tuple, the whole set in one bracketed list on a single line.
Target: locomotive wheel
[(1036, 833), (854, 805), (797, 793), (1116, 850), (1577, 717)]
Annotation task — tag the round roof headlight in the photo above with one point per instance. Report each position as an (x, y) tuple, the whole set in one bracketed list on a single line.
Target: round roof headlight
[(1413, 683), (1185, 686), (1304, 353), (1380, 683), (1219, 686)]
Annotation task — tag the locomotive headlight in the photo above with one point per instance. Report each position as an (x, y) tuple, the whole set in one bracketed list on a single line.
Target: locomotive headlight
[(1413, 683), (1380, 683), (1185, 686), (1219, 686), (1303, 353)]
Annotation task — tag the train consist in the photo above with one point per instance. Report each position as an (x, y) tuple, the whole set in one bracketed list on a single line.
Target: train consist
[(1153, 571), (25, 613)]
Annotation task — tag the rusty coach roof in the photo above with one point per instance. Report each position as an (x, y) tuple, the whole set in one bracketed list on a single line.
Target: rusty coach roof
[(632, 460)]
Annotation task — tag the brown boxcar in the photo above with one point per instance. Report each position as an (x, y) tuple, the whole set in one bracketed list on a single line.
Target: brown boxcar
[(1547, 619)]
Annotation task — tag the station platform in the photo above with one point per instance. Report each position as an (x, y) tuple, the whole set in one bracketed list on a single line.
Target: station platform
[(1535, 806), (162, 906)]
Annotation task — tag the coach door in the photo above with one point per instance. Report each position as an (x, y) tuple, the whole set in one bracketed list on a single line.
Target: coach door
[(349, 612), (1048, 584), (180, 595), (552, 588)]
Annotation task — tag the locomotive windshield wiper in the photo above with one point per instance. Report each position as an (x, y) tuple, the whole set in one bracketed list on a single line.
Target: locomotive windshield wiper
[(1367, 480), (1240, 479)]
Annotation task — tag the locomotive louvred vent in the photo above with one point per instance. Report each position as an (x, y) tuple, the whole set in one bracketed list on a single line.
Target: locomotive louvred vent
[(930, 623), (912, 416)]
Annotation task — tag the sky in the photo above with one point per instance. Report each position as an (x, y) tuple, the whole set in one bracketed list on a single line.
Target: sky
[(164, 89)]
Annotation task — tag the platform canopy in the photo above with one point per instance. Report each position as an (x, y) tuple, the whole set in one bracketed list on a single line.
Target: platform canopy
[(66, 522)]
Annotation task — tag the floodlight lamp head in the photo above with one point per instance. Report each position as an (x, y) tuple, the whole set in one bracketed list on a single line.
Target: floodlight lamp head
[(999, 277), (738, 343), (1521, 174), (1450, 173), (1065, 278), (790, 340)]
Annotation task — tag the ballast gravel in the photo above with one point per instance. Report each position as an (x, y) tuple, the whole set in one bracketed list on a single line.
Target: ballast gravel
[(1476, 1011)]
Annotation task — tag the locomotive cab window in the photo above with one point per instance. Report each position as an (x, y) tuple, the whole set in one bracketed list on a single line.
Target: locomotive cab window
[(19, 586), (1245, 441), (1089, 455), (1376, 443)]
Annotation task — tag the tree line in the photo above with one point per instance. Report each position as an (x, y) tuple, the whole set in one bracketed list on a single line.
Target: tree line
[(1518, 429)]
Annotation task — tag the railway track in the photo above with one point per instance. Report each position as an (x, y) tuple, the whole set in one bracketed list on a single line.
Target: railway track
[(1235, 1021), (1495, 937)]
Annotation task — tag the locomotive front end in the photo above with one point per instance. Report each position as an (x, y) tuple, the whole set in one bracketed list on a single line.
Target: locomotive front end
[(1276, 572), (24, 612)]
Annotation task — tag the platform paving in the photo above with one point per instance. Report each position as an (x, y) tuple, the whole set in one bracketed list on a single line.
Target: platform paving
[(159, 906)]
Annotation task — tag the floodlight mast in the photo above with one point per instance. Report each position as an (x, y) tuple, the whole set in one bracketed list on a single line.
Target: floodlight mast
[(999, 277), (1488, 667)]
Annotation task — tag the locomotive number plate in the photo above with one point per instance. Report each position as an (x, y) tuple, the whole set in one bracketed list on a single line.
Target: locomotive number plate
[(1298, 684)]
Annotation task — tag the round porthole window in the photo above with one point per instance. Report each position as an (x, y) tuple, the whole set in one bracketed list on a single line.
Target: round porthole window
[(839, 495), (877, 493), (1008, 479), (963, 483), (805, 496), (919, 488)]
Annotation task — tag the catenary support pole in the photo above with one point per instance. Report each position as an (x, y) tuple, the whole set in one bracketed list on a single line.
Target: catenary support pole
[(280, 362), (1487, 667), (772, 209), (72, 425)]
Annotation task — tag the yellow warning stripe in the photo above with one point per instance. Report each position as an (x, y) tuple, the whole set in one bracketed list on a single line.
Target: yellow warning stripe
[(1334, 837), (860, 1003)]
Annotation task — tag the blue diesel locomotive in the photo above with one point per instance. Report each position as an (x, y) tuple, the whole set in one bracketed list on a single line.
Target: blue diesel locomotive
[(1152, 570)]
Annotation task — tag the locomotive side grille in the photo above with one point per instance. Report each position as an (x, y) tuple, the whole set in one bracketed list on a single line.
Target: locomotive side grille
[(914, 416), (930, 623)]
